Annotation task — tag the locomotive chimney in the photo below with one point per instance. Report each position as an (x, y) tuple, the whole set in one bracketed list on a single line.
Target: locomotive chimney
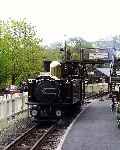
[(47, 65)]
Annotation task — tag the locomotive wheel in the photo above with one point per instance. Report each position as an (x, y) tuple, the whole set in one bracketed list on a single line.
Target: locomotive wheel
[(58, 113)]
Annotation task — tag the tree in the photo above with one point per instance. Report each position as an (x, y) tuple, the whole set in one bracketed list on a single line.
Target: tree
[(75, 44), (56, 45), (21, 48)]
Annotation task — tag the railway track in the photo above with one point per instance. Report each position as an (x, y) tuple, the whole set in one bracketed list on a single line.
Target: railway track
[(31, 139), (39, 138), (52, 140)]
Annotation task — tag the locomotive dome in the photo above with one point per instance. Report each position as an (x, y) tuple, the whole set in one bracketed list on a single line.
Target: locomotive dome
[(54, 64)]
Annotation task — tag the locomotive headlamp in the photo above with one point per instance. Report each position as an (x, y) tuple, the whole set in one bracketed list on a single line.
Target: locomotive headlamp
[(34, 112), (58, 113), (34, 105)]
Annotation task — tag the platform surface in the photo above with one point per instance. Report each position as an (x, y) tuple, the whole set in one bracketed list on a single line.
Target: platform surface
[(95, 129)]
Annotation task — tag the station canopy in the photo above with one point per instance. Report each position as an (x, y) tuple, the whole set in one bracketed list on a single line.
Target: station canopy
[(105, 71)]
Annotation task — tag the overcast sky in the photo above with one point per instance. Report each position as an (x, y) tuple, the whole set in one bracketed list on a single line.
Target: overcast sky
[(90, 19)]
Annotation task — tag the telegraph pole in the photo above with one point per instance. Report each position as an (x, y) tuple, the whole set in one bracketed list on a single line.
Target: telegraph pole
[(81, 75), (65, 51), (82, 84)]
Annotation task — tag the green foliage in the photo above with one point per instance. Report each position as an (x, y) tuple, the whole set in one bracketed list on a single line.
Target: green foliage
[(75, 44), (53, 55), (21, 53)]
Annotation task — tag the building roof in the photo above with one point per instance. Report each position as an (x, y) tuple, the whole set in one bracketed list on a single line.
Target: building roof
[(105, 71)]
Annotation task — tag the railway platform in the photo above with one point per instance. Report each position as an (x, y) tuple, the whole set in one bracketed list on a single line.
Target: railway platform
[(95, 129)]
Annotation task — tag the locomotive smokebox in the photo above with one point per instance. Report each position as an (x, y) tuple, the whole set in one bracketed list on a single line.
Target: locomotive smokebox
[(47, 65)]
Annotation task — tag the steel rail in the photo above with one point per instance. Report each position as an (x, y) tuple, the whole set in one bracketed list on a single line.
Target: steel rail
[(16, 144), (37, 144), (12, 145)]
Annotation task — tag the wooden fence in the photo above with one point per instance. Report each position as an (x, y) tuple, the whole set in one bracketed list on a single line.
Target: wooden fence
[(11, 104)]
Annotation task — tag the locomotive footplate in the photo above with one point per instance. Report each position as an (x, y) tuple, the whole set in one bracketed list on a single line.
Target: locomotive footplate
[(53, 111)]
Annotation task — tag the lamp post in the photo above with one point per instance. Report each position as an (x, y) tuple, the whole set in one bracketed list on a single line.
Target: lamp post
[(65, 51), (65, 48)]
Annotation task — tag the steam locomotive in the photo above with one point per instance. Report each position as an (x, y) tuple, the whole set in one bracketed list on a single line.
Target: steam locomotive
[(56, 91)]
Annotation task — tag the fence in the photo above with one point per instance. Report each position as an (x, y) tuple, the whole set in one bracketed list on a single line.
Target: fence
[(11, 104)]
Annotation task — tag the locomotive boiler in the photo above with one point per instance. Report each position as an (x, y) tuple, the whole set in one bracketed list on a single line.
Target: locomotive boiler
[(55, 92)]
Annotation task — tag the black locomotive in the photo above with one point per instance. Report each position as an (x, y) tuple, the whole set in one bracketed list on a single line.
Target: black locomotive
[(55, 92)]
